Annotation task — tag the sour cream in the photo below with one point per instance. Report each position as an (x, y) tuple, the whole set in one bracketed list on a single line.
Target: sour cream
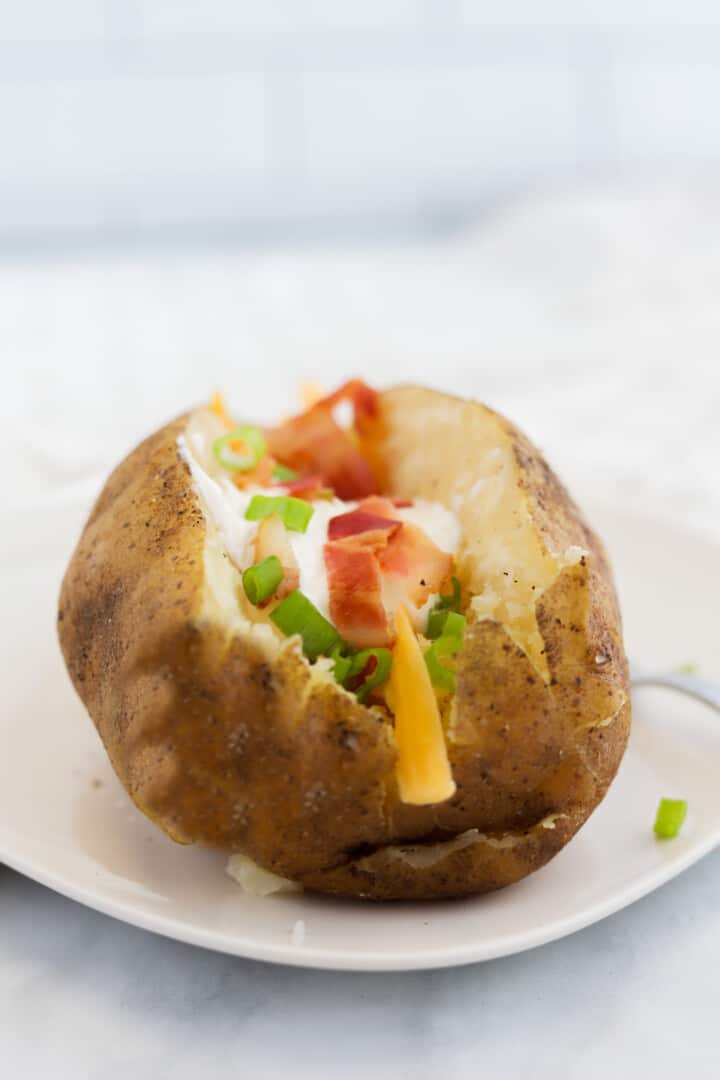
[(226, 505)]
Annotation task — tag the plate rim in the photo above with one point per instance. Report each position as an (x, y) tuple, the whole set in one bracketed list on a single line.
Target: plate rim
[(427, 958)]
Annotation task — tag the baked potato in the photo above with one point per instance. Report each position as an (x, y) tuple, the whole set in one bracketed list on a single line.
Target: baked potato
[(392, 760)]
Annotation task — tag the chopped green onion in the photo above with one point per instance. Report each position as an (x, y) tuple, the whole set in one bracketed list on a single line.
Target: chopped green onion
[(449, 642), (295, 513), (282, 473), (341, 664), (446, 624), (236, 460), (380, 675), (261, 580), (670, 816), (445, 603), (687, 669), (297, 615), (436, 622), (440, 676)]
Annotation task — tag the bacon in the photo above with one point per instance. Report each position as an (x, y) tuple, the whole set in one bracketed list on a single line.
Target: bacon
[(272, 539), (412, 561), (359, 522), (314, 443), (306, 487), (380, 505), (355, 588)]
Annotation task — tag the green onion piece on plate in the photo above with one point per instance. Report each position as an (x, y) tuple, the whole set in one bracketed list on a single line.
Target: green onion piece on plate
[(295, 513), (254, 447), (283, 474), (670, 816), (297, 615), (261, 580), (379, 675)]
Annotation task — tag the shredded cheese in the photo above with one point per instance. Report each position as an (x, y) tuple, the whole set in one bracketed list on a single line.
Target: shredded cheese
[(423, 770)]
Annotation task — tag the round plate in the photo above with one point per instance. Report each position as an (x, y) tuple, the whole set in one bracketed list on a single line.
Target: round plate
[(67, 822)]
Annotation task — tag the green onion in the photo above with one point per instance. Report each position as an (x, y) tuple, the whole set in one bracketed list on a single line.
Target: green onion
[(296, 615), (261, 580), (380, 675), (341, 664), (449, 642), (670, 816), (444, 604), (229, 458), (282, 473), (440, 676), (295, 513), (446, 624)]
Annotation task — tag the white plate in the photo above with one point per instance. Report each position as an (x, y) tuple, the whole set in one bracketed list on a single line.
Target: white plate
[(66, 822)]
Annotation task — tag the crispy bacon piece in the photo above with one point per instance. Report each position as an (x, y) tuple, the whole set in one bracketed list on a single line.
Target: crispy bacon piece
[(413, 561), (355, 587), (362, 524), (272, 539), (314, 442), (306, 487)]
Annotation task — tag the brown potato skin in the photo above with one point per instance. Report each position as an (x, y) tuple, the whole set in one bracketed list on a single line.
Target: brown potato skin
[(220, 747)]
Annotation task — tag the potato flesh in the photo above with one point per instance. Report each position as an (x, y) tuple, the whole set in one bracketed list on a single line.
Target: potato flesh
[(469, 465)]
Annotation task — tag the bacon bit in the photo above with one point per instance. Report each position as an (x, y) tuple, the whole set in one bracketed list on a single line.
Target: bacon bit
[(272, 539), (369, 669), (358, 522), (413, 561), (314, 443), (217, 406), (355, 588), (378, 504), (401, 504), (306, 487)]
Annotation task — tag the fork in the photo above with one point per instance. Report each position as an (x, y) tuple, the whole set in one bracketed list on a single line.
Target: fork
[(702, 689)]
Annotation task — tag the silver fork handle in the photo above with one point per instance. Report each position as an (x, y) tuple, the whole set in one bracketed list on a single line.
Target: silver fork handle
[(703, 689)]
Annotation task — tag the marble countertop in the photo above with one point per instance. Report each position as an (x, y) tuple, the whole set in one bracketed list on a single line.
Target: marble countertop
[(593, 321)]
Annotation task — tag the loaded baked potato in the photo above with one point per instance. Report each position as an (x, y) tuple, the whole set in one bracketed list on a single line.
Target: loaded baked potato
[(380, 655)]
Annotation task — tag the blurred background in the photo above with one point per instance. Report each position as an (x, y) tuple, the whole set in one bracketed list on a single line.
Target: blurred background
[(226, 122), (519, 201)]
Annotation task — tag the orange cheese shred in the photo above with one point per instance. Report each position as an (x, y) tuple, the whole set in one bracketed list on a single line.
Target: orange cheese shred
[(423, 771), (217, 405)]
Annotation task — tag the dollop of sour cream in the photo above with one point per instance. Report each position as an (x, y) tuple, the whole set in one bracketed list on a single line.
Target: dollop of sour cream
[(227, 505)]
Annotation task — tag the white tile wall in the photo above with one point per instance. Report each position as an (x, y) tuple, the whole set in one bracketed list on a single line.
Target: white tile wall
[(138, 114), (163, 18), (62, 22), (668, 110), (643, 15), (443, 130)]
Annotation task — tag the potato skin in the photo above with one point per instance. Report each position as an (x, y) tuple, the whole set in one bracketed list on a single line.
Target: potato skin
[(222, 747)]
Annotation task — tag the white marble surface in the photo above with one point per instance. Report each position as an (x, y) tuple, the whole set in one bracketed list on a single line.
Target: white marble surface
[(594, 322)]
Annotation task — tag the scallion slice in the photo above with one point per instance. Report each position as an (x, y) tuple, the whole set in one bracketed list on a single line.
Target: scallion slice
[(295, 513), (448, 643), (254, 448), (379, 674), (444, 604), (282, 474), (341, 664), (297, 615), (261, 580), (670, 816)]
